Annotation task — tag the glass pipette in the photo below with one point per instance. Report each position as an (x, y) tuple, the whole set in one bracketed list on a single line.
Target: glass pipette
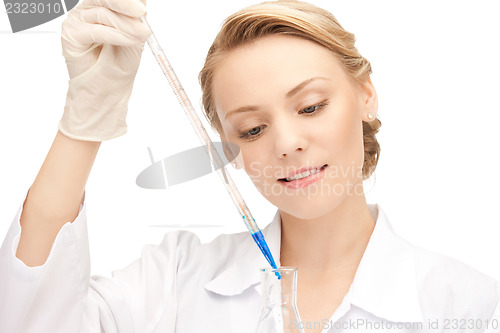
[(190, 112)]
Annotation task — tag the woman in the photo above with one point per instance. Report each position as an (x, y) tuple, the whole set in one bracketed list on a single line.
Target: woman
[(283, 81)]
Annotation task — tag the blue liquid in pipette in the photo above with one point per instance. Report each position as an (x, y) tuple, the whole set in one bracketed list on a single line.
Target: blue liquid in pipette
[(258, 237)]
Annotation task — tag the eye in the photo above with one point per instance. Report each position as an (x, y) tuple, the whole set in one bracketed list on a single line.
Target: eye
[(253, 133), (256, 131), (310, 109), (313, 108)]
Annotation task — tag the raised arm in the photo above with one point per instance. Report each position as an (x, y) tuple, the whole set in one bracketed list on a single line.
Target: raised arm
[(55, 196), (102, 43)]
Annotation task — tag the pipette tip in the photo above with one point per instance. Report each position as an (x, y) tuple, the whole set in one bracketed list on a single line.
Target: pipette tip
[(258, 237)]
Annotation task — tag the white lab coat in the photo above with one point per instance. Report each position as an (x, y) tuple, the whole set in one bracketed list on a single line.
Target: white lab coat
[(183, 286)]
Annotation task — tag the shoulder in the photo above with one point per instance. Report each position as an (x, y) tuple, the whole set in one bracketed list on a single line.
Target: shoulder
[(182, 255), (445, 274), (224, 250), (183, 240), (452, 288)]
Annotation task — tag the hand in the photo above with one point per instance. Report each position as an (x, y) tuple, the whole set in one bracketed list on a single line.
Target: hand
[(102, 42)]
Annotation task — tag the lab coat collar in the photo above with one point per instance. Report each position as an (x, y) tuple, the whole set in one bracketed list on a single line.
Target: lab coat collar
[(243, 266), (385, 281)]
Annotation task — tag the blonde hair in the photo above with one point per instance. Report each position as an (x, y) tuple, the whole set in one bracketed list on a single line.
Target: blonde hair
[(295, 18)]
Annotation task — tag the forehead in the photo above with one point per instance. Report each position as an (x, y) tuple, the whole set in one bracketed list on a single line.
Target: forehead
[(269, 67)]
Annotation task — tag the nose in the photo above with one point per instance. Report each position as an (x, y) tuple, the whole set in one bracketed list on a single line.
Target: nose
[(289, 139)]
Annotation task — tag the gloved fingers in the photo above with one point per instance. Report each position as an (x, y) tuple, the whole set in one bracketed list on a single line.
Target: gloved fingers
[(77, 34), (125, 25), (132, 8), (101, 34)]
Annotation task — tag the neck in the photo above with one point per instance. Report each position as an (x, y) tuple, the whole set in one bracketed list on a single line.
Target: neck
[(330, 244)]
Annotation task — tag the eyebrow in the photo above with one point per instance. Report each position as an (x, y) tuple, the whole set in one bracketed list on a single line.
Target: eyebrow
[(289, 94)]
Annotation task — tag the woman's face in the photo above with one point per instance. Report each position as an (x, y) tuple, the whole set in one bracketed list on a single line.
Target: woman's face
[(288, 104)]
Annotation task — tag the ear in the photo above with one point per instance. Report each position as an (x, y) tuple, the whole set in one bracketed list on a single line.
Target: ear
[(368, 99)]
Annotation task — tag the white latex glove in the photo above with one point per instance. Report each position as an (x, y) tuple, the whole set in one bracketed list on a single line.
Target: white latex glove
[(102, 42)]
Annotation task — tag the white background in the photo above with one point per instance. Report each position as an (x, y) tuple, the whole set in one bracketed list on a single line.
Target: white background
[(436, 70)]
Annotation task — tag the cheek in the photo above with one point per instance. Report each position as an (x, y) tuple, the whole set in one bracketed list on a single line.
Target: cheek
[(254, 167), (353, 153), (340, 129), (259, 169), (343, 136)]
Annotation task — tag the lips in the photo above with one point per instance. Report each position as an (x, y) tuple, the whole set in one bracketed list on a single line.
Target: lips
[(301, 171)]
